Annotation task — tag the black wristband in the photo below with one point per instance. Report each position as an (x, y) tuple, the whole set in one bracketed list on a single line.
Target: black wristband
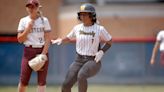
[(106, 47)]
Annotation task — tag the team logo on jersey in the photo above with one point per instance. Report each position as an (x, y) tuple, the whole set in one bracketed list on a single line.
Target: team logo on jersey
[(87, 33)]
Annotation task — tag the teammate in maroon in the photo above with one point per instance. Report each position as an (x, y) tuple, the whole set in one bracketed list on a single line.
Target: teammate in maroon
[(33, 32), (88, 37)]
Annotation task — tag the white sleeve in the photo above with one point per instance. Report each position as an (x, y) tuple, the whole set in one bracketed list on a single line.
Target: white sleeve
[(72, 34), (104, 35), (159, 36), (47, 25), (21, 26)]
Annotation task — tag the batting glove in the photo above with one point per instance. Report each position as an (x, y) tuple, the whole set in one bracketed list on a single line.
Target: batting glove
[(38, 62), (99, 55), (57, 41)]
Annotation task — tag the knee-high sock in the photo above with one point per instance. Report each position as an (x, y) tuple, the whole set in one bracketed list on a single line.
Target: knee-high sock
[(21, 88), (41, 89)]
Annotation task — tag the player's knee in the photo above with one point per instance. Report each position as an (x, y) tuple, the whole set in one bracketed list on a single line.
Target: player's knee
[(81, 76), (23, 83), (42, 83)]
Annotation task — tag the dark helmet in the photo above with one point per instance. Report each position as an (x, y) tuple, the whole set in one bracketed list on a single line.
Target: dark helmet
[(87, 7)]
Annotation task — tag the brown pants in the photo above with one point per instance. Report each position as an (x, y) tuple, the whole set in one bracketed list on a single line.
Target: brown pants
[(26, 71)]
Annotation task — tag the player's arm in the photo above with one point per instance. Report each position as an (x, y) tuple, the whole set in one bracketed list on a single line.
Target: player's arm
[(68, 40), (71, 37), (22, 36), (47, 42), (105, 38), (102, 50), (154, 52), (106, 46), (59, 41)]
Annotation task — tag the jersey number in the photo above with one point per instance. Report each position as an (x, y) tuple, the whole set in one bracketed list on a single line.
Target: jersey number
[(41, 40)]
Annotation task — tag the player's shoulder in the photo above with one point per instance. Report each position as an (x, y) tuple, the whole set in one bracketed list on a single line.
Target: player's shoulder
[(78, 26), (99, 26), (25, 18), (45, 18), (161, 32), (42, 18)]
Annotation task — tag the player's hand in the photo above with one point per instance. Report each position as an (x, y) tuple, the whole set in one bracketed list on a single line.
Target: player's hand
[(99, 55), (30, 24), (152, 61), (57, 41)]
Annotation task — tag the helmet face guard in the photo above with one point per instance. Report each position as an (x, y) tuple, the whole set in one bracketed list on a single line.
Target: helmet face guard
[(89, 8)]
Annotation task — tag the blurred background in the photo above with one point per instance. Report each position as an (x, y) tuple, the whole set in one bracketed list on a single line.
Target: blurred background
[(133, 25)]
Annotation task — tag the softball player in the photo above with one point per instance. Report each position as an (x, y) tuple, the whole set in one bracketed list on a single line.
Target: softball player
[(88, 36), (159, 44), (33, 32)]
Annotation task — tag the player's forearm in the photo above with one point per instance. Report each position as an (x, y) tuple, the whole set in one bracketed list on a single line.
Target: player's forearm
[(155, 50), (47, 43), (73, 40), (66, 40), (106, 46), (46, 46), (23, 36), (154, 53)]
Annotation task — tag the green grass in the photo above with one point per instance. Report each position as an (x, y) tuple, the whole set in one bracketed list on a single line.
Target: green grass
[(95, 88)]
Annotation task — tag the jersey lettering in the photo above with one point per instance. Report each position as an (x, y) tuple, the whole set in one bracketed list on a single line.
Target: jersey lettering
[(87, 33), (37, 30)]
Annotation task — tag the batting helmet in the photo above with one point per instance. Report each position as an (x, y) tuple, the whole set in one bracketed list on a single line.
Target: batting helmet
[(87, 7)]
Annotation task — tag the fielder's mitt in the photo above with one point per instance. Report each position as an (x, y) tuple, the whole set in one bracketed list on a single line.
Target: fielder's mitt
[(37, 62)]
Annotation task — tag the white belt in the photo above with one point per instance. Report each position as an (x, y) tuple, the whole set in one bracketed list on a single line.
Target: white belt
[(34, 46)]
